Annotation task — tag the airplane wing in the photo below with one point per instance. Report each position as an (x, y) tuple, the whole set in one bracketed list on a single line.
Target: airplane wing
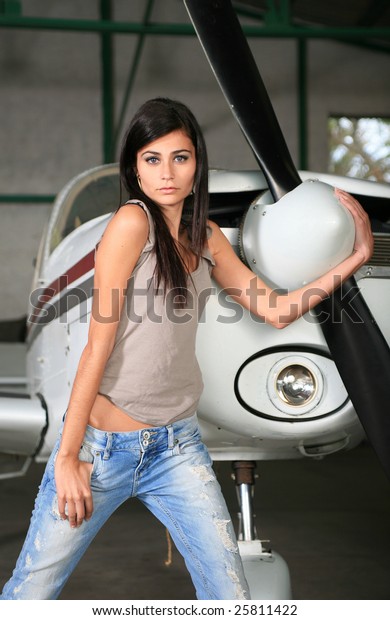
[(23, 419)]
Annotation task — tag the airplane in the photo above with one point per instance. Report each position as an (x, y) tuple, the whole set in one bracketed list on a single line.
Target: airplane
[(268, 394)]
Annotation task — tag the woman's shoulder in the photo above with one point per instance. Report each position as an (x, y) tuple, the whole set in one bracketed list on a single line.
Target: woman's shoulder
[(218, 244), (121, 245), (212, 227), (127, 225), (214, 234), (144, 209), (212, 244), (130, 219)]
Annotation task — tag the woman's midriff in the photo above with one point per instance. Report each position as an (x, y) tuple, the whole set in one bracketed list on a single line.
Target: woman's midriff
[(106, 416)]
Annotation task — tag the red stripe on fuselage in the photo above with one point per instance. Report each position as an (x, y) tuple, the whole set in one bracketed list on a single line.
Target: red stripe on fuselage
[(82, 267)]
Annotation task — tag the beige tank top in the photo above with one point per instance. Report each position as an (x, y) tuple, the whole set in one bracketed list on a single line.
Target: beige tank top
[(152, 373)]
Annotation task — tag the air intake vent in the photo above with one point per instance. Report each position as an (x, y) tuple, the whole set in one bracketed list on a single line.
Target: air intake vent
[(381, 256)]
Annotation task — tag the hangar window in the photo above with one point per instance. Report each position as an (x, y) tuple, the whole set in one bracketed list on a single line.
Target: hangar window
[(360, 147)]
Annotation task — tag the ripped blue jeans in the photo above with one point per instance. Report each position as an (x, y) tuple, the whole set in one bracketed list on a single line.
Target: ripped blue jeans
[(169, 469)]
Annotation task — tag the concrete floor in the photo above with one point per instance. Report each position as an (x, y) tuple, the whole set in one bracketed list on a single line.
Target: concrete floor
[(329, 519)]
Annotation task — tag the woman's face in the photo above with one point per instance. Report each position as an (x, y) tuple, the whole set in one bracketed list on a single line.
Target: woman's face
[(166, 169)]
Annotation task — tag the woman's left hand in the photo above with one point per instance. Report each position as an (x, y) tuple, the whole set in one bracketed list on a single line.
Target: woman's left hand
[(364, 240)]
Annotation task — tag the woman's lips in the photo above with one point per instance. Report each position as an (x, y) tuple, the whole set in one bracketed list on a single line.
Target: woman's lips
[(167, 190)]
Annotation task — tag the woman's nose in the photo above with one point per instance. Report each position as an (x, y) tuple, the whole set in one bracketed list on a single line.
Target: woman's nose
[(167, 172)]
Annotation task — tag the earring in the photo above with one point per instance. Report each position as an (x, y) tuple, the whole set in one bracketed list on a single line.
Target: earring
[(139, 182)]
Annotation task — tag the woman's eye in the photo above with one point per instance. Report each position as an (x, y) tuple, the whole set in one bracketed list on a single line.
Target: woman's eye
[(152, 160), (181, 158)]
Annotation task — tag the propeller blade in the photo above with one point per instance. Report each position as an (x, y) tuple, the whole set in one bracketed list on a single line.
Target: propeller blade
[(358, 348), (362, 357), (231, 59)]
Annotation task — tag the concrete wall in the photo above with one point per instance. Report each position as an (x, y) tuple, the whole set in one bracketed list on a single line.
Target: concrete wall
[(51, 115)]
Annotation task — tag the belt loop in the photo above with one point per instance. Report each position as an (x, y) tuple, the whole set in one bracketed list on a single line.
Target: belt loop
[(170, 436), (173, 444), (107, 449)]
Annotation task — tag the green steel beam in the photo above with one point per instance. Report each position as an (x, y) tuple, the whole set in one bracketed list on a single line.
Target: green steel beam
[(27, 198), (279, 31), (132, 74), (10, 7), (277, 13), (302, 105), (107, 78), (300, 32), (94, 25), (259, 14), (278, 26), (246, 12)]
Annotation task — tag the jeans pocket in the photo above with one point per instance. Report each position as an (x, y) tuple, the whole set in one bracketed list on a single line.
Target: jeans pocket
[(190, 442), (88, 454)]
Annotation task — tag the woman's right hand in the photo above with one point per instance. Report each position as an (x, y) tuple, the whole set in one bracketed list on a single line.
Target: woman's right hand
[(364, 240), (73, 484)]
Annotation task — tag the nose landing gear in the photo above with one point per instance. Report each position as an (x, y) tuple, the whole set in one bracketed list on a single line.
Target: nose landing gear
[(266, 571)]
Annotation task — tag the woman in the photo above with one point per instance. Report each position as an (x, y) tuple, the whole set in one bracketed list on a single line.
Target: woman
[(130, 428)]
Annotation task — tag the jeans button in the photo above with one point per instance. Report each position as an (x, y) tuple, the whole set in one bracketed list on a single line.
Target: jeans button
[(146, 435)]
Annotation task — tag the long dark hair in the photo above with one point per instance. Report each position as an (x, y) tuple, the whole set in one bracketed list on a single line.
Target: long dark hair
[(155, 119)]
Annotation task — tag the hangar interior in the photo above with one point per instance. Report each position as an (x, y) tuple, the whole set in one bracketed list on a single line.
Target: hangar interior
[(68, 89), (72, 75)]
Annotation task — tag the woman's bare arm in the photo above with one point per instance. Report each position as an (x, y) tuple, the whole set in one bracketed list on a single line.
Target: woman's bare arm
[(282, 309), (118, 252)]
